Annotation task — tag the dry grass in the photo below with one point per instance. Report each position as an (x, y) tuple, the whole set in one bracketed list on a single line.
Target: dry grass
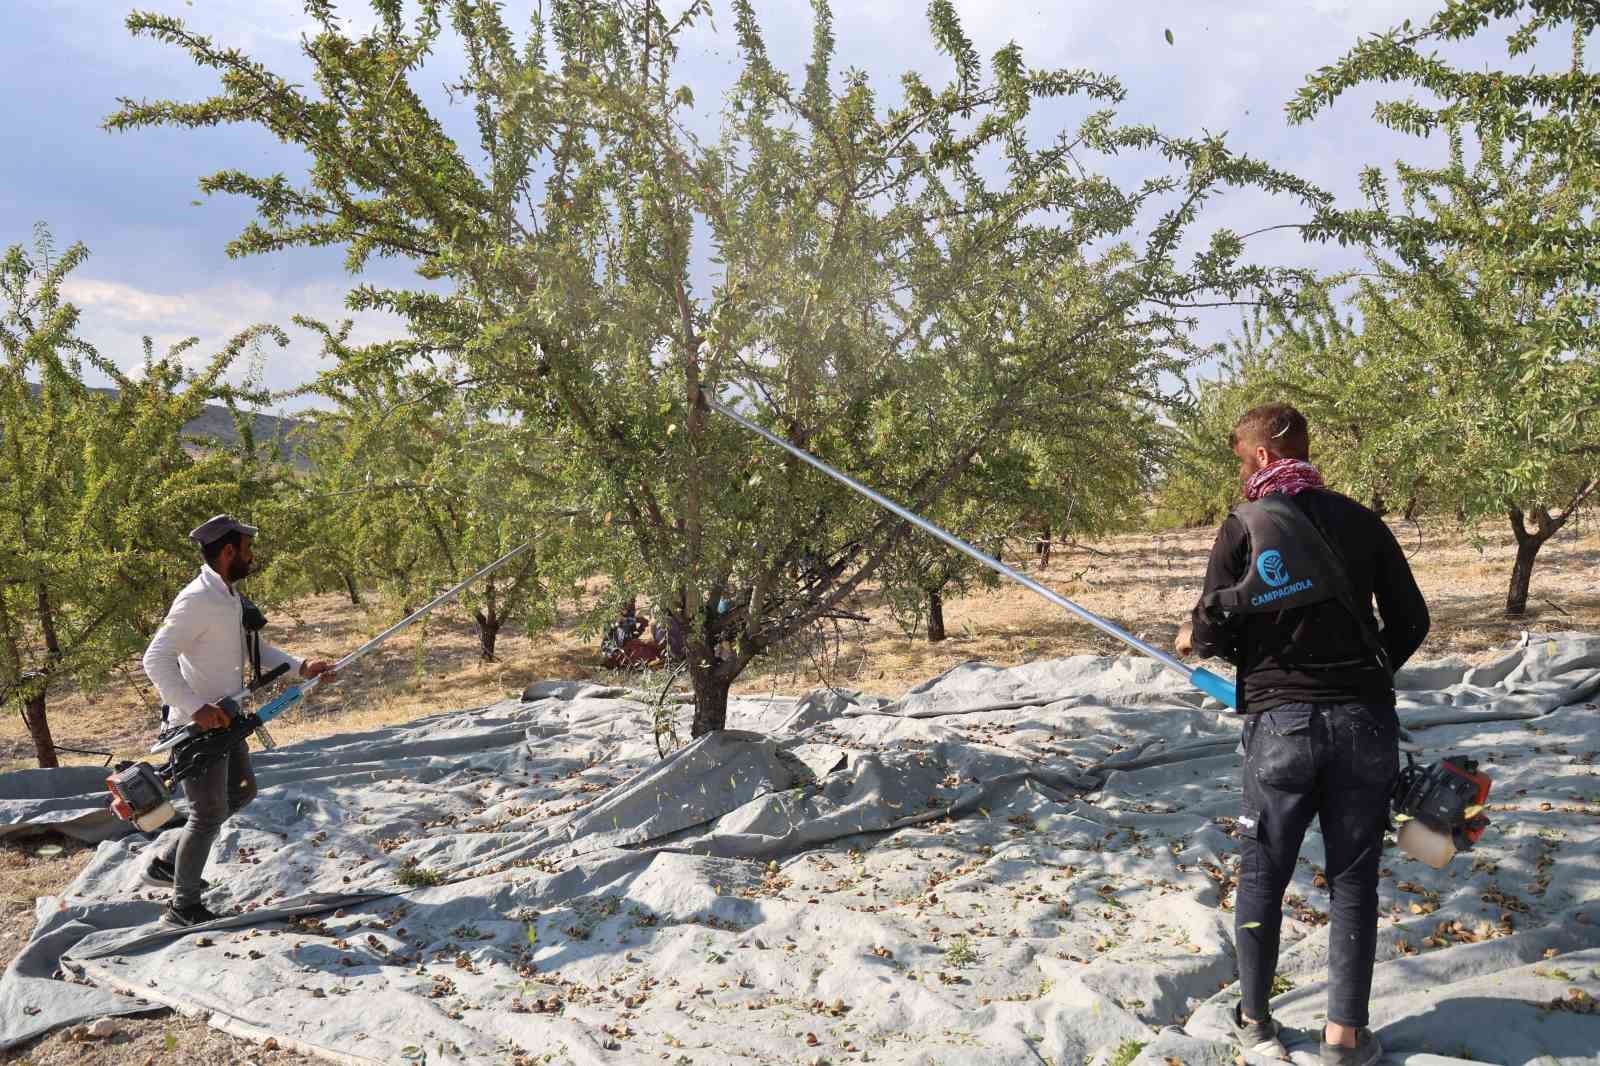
[(1145, 582)]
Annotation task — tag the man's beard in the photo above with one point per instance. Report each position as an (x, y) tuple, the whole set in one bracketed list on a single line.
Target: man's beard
[(238, 570)]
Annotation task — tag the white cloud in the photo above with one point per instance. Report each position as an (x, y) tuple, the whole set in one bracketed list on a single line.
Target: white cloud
[(118, 315), (122, 302)]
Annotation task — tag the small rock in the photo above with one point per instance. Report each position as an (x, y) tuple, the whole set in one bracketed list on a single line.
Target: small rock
[(270, 1044), (103, 1029)]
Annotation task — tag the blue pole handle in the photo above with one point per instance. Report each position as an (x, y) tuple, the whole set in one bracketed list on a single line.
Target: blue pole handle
[(1218, 688), (284, 700)]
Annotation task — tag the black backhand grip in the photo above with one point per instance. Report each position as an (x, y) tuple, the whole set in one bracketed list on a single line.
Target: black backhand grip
[(269, 677)]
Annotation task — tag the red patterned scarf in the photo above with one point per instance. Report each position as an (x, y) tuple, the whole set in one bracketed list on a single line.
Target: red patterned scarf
[(1287, 476)]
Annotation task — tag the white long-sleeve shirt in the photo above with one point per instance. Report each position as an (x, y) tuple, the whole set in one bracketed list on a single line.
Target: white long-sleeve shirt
[(198, 656)]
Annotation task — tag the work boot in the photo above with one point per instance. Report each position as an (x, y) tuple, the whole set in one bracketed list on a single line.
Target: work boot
[(1366, 1052), (175, 917), (160, 873), (1259, 1038)]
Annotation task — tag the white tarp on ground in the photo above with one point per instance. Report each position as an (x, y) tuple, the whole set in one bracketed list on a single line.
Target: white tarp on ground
[(1027, 865)]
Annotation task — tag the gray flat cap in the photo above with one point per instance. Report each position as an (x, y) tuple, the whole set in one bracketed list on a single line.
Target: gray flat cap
[(220, 526)]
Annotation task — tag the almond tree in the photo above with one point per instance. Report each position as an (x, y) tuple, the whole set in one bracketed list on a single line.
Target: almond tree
[(97, 488), (826, 257), (1486, 267), (418, 489)]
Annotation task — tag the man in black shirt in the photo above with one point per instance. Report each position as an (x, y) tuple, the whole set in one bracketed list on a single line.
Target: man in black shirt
[(1316, 684)]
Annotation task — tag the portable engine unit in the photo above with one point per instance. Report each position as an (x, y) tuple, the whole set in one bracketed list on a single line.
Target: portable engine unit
[(1442, 807), (140, 795)]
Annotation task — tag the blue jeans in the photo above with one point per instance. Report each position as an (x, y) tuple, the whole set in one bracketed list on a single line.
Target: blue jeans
[(1336, 762)]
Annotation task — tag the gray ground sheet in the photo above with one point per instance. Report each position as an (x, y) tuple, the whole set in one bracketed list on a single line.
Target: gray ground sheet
[(1024, 865)]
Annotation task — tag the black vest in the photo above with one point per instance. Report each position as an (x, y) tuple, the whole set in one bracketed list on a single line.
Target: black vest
[(1291, 565)]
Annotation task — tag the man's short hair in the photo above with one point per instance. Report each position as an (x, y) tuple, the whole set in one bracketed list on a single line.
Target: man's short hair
[(211, 551), (1277, 427)]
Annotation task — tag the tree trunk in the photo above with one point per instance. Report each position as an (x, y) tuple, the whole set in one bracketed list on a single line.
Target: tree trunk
[(488, 630), (710, 702), (1521, 574), (351, 590), (935, 616), (1044, 548), (1528, 544), (33, 715), (34, 711), (1380, 506)]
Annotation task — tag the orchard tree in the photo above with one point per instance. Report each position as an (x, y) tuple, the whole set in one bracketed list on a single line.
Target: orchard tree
[(313, 542), (422, 490), (97, 488), (1512, 384), (826, 257), (1361, 402), (1081, 476), (1486, 266)]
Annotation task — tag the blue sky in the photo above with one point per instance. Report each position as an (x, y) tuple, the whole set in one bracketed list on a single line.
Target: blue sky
[(158, 266)]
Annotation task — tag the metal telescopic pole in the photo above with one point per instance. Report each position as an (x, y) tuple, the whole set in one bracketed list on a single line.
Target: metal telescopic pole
[(424, 609), (1220, 688), (294, 694)]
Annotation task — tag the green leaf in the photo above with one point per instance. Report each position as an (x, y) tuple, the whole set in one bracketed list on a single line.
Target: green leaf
[(1169, 37)]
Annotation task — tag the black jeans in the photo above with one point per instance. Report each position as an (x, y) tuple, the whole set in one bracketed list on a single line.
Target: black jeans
[(1336, 762), (215, 794)]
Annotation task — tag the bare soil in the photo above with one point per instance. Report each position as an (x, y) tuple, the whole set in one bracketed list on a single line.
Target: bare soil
[(1145, 582)]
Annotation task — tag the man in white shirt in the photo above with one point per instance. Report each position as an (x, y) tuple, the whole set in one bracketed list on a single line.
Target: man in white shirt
[(196, 659)]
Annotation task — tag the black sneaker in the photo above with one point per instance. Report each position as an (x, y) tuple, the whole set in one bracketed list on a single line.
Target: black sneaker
[(1259, 1038), (175, 917), (1366, 1052), (159, 873)]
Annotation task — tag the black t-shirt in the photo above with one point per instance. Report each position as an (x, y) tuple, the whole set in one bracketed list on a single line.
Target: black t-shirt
[(1316, 654)]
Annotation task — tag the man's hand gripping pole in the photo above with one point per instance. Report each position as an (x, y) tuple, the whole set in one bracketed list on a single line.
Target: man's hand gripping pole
[(1219, 688)]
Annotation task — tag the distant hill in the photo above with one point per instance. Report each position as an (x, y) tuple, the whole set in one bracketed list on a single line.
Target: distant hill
[(215, 423)]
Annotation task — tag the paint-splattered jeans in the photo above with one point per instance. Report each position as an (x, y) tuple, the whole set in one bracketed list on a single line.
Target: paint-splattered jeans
[(1336, 762)]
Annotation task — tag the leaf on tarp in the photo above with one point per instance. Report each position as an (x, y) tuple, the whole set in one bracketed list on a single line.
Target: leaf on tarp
[(1251, 925), (1169, 37)]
